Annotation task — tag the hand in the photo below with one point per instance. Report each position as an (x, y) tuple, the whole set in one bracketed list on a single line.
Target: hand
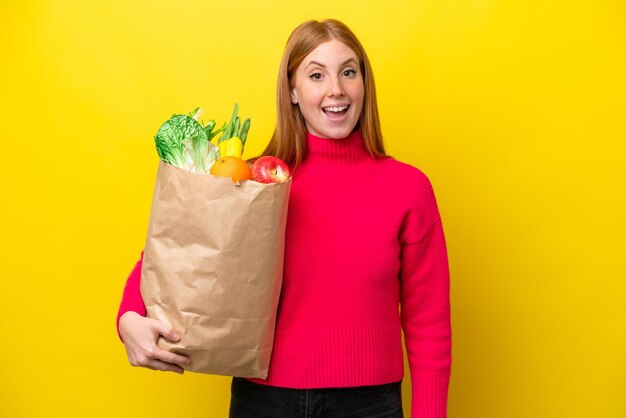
[(140, 335)]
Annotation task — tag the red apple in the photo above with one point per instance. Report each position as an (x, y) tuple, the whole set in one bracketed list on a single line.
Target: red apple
[(269, 169)]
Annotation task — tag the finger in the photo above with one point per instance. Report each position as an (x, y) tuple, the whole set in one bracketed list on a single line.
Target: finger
[(167, 332), (166, 367), (169, 357)]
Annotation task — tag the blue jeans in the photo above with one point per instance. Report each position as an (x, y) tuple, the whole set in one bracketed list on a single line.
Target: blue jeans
[(254, 400)]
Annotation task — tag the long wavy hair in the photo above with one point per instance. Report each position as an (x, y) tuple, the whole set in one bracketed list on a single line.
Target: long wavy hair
[(289, 139)]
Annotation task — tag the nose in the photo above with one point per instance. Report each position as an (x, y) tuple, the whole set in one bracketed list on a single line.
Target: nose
[(336, 87)]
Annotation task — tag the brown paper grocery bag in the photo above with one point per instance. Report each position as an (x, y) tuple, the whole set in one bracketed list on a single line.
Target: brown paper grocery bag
[(212, 268)]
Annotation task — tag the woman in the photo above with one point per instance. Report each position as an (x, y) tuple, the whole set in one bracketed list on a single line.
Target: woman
[(363, 236)]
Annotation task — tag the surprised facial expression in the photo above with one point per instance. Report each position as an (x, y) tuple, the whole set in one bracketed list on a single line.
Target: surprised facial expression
[(329, 90)]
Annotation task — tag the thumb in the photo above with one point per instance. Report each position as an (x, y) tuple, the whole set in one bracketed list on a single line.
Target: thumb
[(168, 332)]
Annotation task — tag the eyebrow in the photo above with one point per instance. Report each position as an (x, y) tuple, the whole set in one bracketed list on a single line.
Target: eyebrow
[(323, 66)]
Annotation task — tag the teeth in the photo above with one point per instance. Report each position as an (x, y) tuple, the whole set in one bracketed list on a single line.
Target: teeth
[(336, 109)]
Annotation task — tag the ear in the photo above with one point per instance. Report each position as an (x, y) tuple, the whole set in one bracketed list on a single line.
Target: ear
[(294, 96)]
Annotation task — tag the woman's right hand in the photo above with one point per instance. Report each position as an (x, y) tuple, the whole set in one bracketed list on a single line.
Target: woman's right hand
[(140, 335)]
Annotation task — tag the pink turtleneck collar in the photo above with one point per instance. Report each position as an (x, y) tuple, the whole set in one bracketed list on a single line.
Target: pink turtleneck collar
[(336, 151)]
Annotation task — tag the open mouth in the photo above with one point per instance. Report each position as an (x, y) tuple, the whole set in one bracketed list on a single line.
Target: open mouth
[(335, 110)]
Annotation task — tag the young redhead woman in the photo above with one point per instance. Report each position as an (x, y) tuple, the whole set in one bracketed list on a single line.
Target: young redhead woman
[(363, 238)]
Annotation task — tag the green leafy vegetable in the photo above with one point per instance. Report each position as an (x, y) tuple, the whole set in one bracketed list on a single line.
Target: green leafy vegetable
[(183, 142), (229, 130), (243, 134), (235, 128), (213, 134)]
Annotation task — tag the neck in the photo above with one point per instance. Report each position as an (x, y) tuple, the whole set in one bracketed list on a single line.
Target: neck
[(338, 151)]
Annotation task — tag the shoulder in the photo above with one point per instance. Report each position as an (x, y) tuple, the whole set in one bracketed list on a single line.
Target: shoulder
[(412, 188), (407, 176)]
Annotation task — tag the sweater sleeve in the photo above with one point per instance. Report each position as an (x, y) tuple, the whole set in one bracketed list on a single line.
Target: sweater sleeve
[(425, 312), (131, 298)]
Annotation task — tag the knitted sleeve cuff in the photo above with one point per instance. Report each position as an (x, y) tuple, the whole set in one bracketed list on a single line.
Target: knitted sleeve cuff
[(429, 395)]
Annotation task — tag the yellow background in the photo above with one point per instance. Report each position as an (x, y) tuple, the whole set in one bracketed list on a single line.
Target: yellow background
[(514, 109)]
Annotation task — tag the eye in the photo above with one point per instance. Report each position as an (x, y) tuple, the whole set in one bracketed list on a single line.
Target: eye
[(350, 72), (316, 76)]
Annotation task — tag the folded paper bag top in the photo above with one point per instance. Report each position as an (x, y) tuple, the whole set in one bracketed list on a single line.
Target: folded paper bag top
[(213, 266)]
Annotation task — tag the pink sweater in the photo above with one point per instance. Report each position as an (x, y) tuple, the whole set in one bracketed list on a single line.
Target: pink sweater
[(363, 237)]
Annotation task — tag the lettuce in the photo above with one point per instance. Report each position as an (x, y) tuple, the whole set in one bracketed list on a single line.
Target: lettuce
[(183, 142)]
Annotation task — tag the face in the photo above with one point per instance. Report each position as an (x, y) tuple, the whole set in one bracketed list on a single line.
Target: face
[(328, 88)]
